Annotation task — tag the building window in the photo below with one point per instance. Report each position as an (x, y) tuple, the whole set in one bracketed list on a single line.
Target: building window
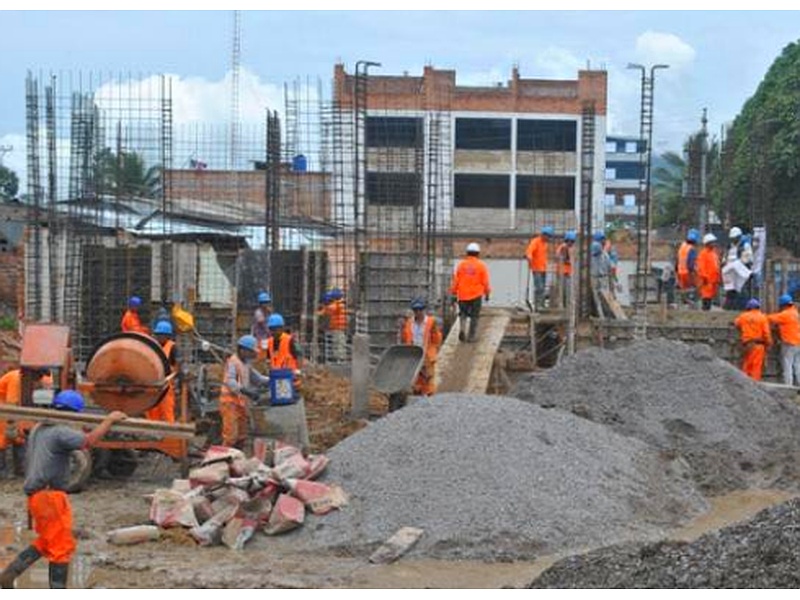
[(625, 170), (394, 132), (610, 199), (631, 148), (552, 193), (481, 191), (553, 136), (393, 189), (611, 146), (629, 199), (611, 173), (483, 134)]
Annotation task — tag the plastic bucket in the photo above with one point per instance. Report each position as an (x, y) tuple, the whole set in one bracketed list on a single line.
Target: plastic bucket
[(281, 387)]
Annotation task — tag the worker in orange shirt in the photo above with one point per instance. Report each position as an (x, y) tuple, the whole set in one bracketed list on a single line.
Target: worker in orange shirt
[(565, 255), (755, 337), (12, 434), (239, 387), (334, 312), (131, 322), (709, 275), (46, 476), (165, 410), (537, 253), (421, 329), (788, 321), (687, 263), (470, 285)]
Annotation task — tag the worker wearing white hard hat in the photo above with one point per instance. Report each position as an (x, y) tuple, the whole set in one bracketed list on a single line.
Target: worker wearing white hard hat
[(736, 269), (469, 287), (708, 271)]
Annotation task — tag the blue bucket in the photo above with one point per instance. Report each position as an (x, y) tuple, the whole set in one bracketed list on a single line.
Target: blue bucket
[(281, 387)]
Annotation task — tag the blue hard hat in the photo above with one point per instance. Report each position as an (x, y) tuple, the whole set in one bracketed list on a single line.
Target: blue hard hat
[(275, 320), (326, 297), (163, 328), (693, 236), (336, 294), (264, 298), (69, 400), (785, 300), (134, 302), (418, 304), (598, 236), (753, 303), (570, 236), (547, 230), (248, 342)]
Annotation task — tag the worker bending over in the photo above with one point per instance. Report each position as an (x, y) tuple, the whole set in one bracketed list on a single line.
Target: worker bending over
[(334, 312), (240, 386), (788, 321), (131, 321), (755, 336), (421, 329), (165, 410), (537, 255), (469, 286), (12, 434), (46, 477)]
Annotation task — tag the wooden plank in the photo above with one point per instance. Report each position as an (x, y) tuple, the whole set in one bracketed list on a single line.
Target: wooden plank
[(397, 545), (130, 425), (613, 305)]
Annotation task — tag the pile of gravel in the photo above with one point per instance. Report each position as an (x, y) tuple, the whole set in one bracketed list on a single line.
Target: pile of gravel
[(685, 401), (489, 477), (761, 553)]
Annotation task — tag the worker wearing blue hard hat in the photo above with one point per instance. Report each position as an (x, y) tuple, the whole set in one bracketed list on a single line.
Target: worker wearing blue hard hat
[(46, 479), (333, 319), (283, 351), (423, 330), (131, 320), (686, 265), (164, 410), (565, 257), (787, 321), (755, 337), (259, 328)]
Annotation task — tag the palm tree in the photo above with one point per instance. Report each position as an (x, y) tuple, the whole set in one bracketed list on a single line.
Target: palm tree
[(124, 174)]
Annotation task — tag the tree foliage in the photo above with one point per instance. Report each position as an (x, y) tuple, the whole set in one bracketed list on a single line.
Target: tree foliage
[(9, 183), (125, 174)]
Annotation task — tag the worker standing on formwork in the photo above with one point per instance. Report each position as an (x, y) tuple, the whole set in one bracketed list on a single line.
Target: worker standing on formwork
[(537, 255), (131, 321), (421, 329), (612, 257), (599, 267), (240, 386), (755, 337), (469, 287), (334, 312), (565, 255), (14, 435), (165, 410), (708, 271), (259, 329), (48, 504), (687, 266), (788, 321)]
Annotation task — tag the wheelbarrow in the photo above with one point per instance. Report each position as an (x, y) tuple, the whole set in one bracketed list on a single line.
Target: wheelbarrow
[(396, 371)]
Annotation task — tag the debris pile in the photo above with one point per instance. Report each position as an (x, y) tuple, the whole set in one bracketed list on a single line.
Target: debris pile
[(760, 553), (489, 477), (229, 496), (683, 400)]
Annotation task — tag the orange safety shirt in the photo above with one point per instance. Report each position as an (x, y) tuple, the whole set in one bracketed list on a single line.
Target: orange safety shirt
[(754, 327), (337, 315), (708, 272), (564, 254), (536, 253), (470, 280), (431, 336), (132, 324), (165, 409), (788, 322)]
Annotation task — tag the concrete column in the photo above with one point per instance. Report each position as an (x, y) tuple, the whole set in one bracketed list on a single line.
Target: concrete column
[(359, 377)]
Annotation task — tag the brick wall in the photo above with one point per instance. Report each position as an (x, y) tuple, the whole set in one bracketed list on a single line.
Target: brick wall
[(11, 263)]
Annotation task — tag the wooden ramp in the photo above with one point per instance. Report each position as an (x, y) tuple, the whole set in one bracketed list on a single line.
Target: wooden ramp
[(465, 367)]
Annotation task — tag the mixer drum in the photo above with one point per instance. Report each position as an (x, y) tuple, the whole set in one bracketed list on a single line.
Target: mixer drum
[(128, 372)]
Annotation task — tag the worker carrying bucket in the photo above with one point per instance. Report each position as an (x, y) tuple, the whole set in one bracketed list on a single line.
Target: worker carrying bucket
[(285, 357), (239, 389)]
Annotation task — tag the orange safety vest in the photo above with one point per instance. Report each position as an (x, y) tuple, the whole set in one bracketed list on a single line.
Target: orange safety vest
[(754, 327), (536, 253), (283, 359), (132, 323), (683, 258), (470, 280), (227, 395), (431, 336), (564, 253), (337, 315), (788, 322)]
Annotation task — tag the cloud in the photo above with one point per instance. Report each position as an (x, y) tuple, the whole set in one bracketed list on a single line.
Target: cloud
[(490, 77), (653, 47), (557, 63)]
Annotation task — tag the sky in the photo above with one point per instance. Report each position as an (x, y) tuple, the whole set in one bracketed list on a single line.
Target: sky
[(716, 58)]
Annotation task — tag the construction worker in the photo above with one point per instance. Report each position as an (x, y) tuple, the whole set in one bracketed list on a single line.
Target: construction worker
[(708, 271), (165, 410), (334, 312), (537, 255), (131, 322), (283, 351), (610, 255), (421, 329), (736, 269), (565, 255), (46, 476), (788, 321), (687, 265), (12, 434), (599, 267), (755, 337), (470, 285), (239, 387), (259, 328)]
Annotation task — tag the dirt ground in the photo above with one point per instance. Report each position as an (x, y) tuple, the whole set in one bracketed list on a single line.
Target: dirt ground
[(176, 562)]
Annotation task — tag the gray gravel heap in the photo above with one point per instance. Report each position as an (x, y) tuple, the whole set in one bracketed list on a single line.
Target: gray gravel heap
[(685, 401), (489, 477), (761, 553)]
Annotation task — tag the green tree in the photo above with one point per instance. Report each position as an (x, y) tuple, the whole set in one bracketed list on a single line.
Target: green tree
[(667, 191), (9, 183), (125, 174)]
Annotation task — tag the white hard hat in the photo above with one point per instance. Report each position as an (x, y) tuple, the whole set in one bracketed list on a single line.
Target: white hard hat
[(735, 232), (709, 238), (473, 247)]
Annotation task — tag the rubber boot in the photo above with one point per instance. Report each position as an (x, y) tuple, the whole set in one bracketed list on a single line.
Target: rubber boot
[(3, 466), (462, 329), (473, 329), (18, 458), (58, 576), (18, 566)]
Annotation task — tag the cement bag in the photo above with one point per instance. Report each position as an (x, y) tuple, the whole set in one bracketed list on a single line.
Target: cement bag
[(209, 475), (319, 498), (233, 497), (238, 531), (295, 467), (264, 450), (203, 510), (134, 535), (210, 532), (317, 463), (222, 453), (170, 508), (287, 514), (284, 452), (246, 466), (257, 509)]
